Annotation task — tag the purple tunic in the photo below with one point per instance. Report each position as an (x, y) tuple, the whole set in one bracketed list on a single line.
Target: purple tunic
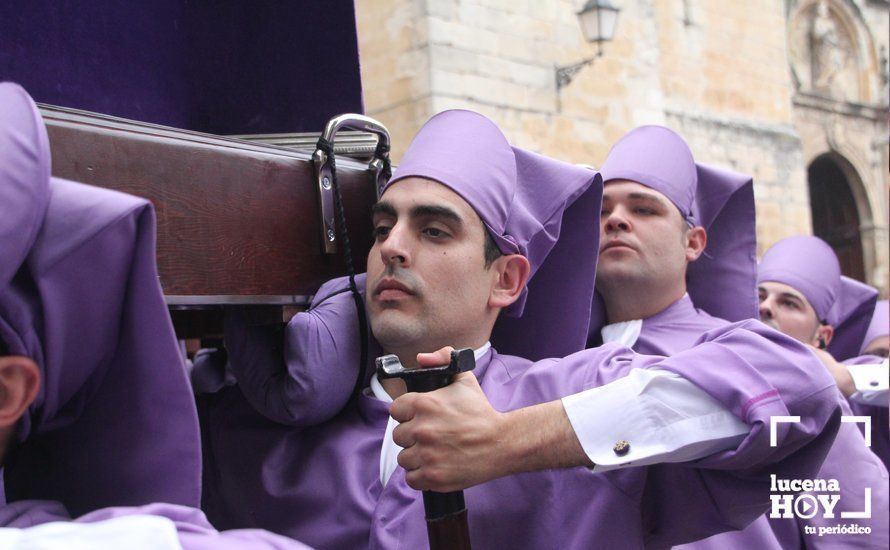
[(321, 484), (114, 422), (855, 468), (677, 328), (192, 527)]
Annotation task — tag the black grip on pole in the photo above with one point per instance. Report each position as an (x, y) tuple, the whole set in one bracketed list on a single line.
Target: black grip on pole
[(425, 379), (439, 507)]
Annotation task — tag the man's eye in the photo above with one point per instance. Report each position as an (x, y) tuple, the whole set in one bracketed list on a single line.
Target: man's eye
[(644, 211), (381, 231), (434, 232), (789, 304), (604, 213)]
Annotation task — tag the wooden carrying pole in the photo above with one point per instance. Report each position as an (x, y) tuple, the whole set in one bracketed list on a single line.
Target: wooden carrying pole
[(446, 513), (239, 222)]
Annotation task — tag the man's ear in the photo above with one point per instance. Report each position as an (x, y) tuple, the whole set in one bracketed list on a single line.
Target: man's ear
[(19, 384), (823, 336), (696, 241), (512, 274)]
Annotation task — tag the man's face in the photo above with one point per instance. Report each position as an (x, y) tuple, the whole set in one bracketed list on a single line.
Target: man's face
[(428, 285), (788, 311), (880, 346), (643, 236)]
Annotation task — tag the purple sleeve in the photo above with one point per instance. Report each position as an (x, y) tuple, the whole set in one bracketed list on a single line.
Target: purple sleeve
[(880, 429), (756, 373), (304, 376), (862, 478)]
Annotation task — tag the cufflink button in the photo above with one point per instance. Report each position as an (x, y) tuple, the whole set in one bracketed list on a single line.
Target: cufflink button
[(621, 447), (873, 383)]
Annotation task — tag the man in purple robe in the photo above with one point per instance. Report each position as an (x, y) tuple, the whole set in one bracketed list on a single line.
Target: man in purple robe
[(803, 294), (502, 431), (96, 415), (717, 212), (678, 249), (676, 233)]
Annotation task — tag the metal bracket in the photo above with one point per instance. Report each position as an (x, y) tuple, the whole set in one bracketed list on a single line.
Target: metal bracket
[(324, 175), (423, 379)]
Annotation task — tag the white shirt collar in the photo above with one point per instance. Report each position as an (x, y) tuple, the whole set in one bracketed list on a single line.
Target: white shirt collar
[(624, 332)]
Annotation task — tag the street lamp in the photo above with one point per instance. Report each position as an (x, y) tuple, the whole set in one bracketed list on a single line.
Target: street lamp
[(598, 19)]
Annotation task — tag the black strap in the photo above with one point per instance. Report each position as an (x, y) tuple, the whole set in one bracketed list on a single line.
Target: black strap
[(328, 148), (382, 152)]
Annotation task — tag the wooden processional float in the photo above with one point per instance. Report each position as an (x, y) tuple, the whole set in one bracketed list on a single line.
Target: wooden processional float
[(248, 222)]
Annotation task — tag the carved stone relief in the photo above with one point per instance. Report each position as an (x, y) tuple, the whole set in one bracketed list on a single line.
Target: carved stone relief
[(823, 47)]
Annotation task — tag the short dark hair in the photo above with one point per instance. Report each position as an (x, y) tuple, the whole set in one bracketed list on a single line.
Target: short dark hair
[(490, 249)]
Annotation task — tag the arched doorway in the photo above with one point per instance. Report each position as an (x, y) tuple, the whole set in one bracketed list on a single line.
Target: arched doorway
[(835, 215)]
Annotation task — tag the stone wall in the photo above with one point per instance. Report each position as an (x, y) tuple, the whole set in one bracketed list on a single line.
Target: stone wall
[(718, 72)]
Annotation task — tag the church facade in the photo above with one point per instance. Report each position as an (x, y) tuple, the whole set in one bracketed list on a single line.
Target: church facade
[(794, 92)]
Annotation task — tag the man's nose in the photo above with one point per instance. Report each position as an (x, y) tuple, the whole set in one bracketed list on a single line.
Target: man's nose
[(395, 248), (616, 220), (766, 309)]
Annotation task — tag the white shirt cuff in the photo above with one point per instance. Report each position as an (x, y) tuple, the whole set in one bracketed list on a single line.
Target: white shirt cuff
[(872, 383), (660, 415)]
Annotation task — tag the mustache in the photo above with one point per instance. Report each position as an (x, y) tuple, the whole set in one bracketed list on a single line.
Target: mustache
[(402, 275)]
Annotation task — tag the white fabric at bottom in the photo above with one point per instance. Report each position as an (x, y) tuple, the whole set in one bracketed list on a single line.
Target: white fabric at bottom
[(138, 532)]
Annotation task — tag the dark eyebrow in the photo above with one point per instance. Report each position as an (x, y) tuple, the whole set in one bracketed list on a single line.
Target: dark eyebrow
[(647, 197), (434, 211), (785, 294), (383, 208)]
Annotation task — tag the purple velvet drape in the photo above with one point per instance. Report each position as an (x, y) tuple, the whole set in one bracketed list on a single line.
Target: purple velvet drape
[(223, 67)]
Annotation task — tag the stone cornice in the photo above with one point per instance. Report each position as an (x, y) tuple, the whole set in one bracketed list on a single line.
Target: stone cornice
[(847, 108)]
